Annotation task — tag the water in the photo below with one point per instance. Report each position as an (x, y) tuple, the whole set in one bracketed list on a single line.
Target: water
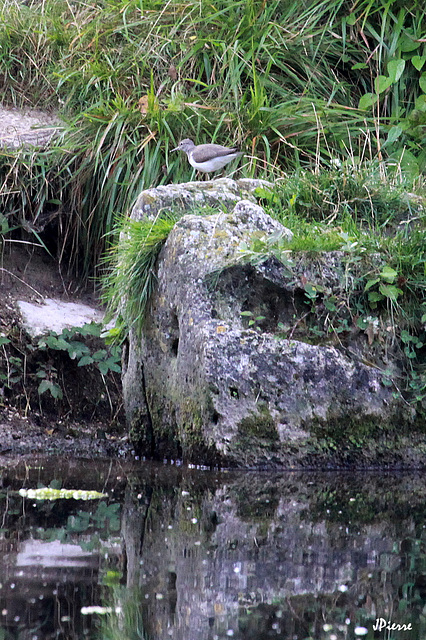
[(180, 554)]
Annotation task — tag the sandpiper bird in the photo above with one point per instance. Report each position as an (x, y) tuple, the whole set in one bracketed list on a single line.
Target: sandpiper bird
[(208, 157)]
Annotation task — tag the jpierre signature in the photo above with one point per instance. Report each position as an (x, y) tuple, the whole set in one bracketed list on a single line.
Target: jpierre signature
[(381, 624)]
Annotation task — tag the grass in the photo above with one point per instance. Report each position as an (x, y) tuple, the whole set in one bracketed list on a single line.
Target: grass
[(356, 212), (380, 232), (131, 273), (298, 85)]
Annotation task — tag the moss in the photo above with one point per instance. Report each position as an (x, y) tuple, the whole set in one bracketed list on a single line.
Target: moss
[(260, 425), (165, 440), (139, 433), (391, 452), (191, 424), (352, 431), (194, 446)]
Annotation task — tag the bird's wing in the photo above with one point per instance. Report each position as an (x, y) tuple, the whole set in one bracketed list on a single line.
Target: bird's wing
[(203, 153)]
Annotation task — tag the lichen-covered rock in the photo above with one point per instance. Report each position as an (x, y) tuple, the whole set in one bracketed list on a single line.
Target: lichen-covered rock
[(223, 192), (213, 377)]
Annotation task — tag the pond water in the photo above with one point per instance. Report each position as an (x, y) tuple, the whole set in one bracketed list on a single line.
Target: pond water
[(183, 554)]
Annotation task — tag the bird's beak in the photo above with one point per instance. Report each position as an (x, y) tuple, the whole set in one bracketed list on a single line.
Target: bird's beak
[(175, 149)]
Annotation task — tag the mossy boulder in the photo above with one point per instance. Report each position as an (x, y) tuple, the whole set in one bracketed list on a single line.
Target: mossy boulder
[(219, 389)]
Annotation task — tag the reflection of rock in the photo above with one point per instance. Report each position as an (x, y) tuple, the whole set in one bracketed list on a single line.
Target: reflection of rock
[(45, 588), (36, 555), (208, 566), (208, 384)]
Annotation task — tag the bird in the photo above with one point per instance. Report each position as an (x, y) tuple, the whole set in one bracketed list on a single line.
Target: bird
[(207, 157)]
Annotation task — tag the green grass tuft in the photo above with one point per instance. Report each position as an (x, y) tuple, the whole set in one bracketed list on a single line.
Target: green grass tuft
[(131, 276)]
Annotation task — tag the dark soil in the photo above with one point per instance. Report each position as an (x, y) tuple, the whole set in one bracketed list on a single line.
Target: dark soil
[(29, 273), (89, 420), (37, 434)]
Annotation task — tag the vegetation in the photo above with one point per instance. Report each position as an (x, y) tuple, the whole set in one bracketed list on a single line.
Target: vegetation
[(70, 342), (131, 277), (297, 84), (327, 99), (380, 232), (32, 374)]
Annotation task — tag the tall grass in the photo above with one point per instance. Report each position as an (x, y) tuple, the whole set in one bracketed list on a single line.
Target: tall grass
[(296, 84), (132, 275)]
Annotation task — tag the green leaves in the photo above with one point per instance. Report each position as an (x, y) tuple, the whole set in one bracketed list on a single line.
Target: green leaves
[(408, 42), (395, 69), (412, 344), (386, 289), (253, 320), (388, 274), (393, 134), (381, 83), (390, 291), (53, 387), (367, 100), (418, 62), (105, 360), (405, 162)]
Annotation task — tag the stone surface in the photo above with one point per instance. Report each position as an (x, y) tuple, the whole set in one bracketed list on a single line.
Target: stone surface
[(223, 192), (203, 384), (27, 127), (55, 315)]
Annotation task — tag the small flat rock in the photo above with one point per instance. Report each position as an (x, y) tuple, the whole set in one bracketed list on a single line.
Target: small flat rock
[(27, 127), (56, 315)]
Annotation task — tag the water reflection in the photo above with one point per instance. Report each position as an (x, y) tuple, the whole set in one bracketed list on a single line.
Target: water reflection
[(178, 554)]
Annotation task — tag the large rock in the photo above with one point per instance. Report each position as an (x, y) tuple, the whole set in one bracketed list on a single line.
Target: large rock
[(213, 384), (223, 192)]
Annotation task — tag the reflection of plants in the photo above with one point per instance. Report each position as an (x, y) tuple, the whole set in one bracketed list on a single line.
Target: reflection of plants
[(106, 518), (99, 525), (51, 493), (126, 618)]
